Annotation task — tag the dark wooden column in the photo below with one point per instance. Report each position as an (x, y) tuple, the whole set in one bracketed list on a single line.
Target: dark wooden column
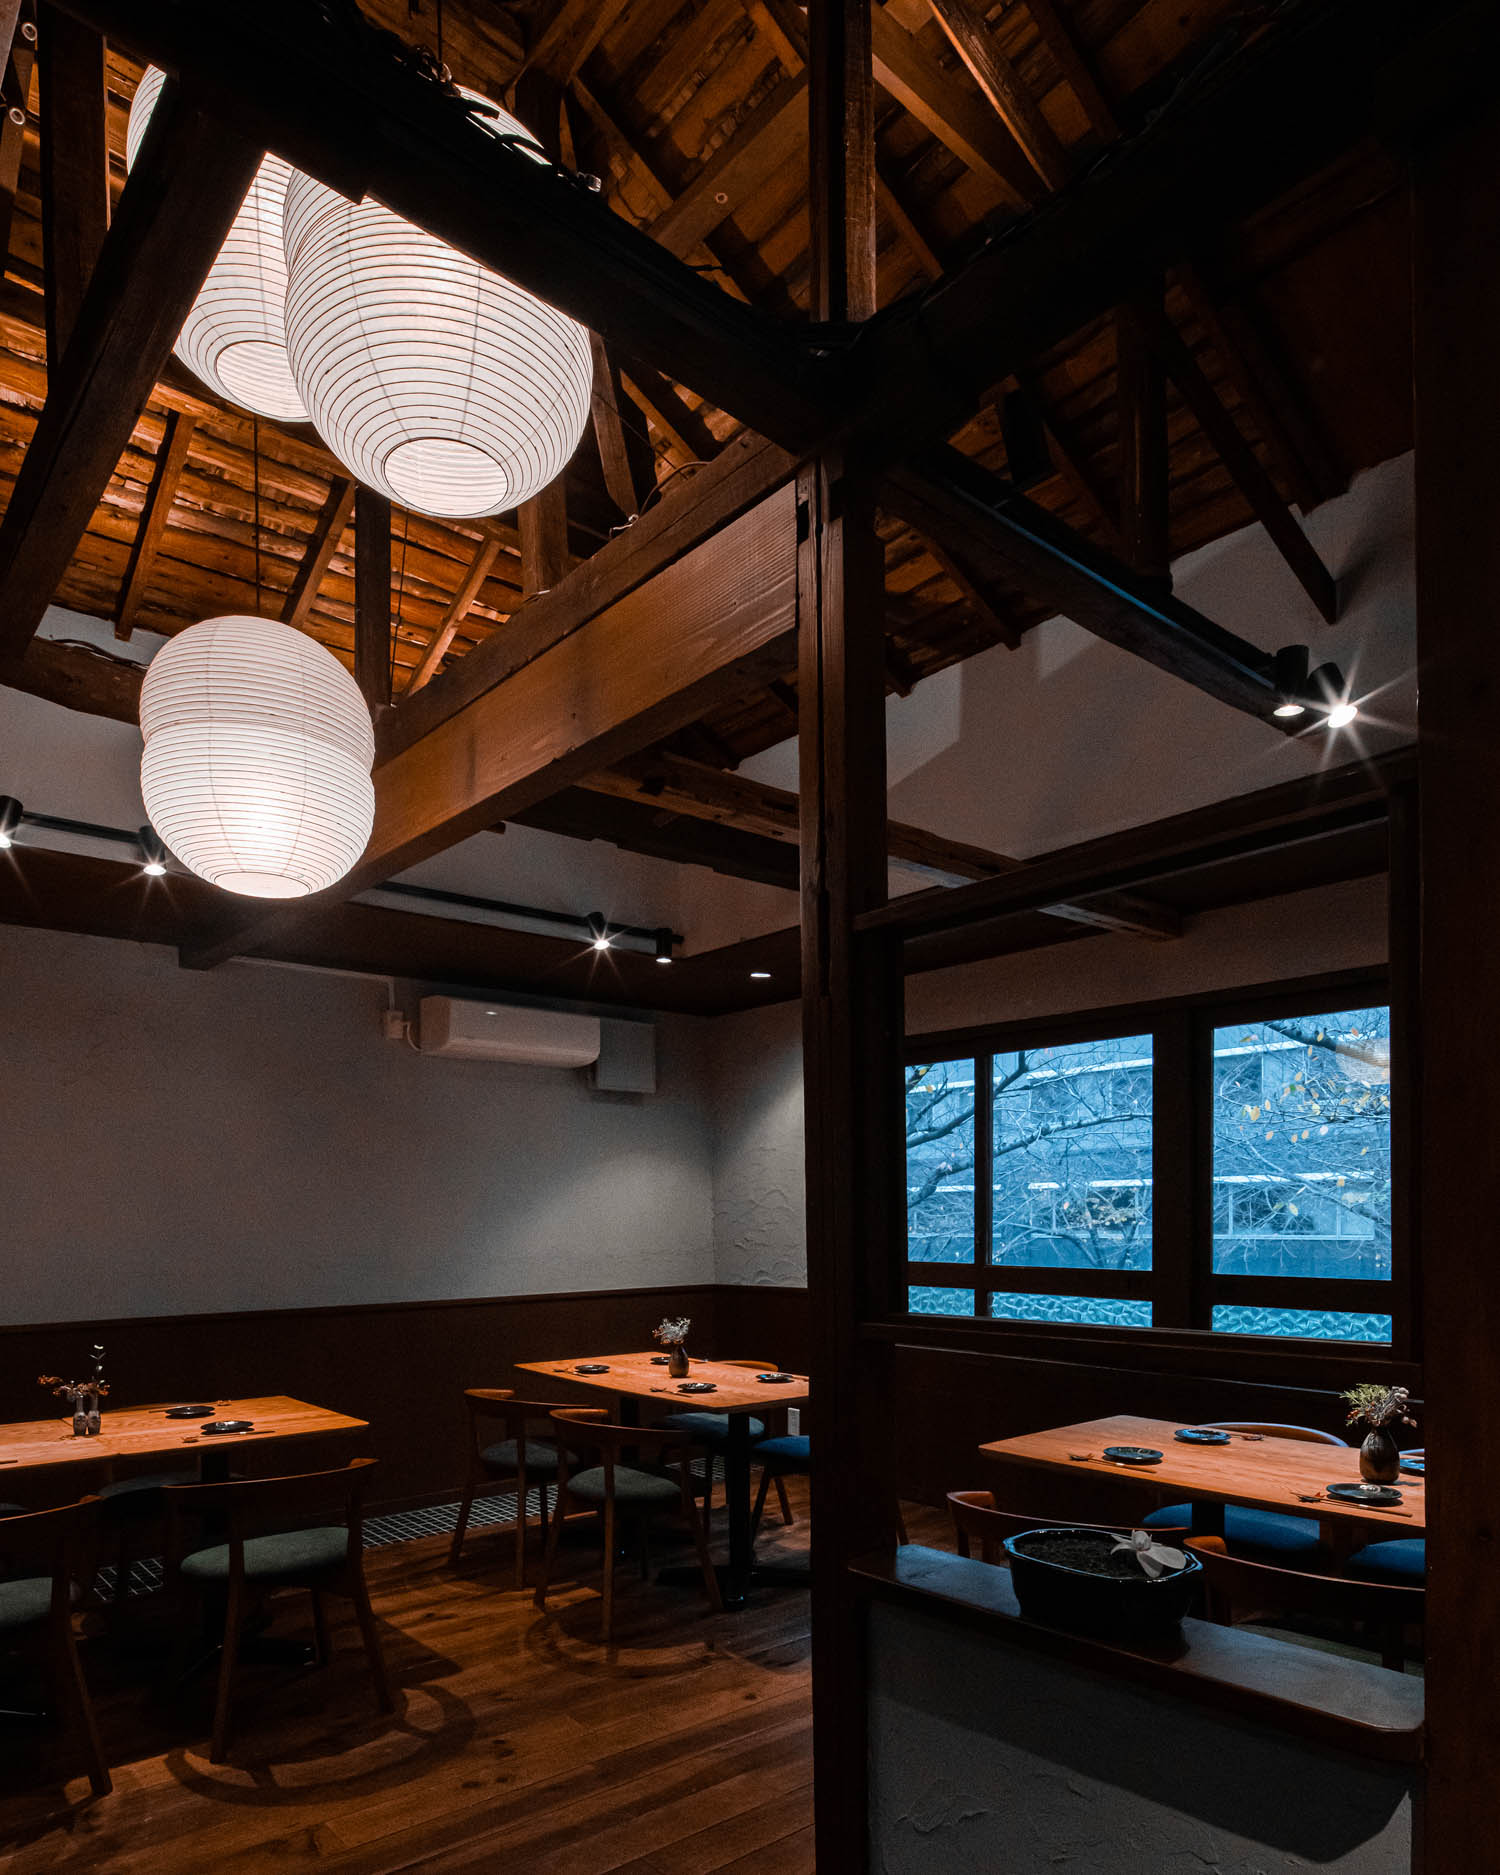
[(852, 1008), (372, 598), (74, 167), (1456, 277)]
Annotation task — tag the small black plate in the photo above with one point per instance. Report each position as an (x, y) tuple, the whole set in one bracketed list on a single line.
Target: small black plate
[(229, 1425), (1363, 1493), (775, 1380), (697, 1386), (190, 1412), (592, 1367), (1201, 1435), (1133, 1454), (661, 1360)]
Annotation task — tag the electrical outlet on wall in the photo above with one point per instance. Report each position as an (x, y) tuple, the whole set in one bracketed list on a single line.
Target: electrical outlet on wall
[(393, 1025), (794, 1420)]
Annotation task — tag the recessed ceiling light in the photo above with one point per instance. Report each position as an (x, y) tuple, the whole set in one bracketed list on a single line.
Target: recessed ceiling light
[(760, 976), (1289, 708)]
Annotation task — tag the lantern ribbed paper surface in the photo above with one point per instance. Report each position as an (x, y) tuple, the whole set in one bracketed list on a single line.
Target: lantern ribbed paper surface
[(256, 770), (234, 338), (433, 380)]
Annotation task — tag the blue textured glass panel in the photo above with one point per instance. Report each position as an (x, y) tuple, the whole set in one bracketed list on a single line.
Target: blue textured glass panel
[(940, 1164), (1072, 1175), (1302, 1147), (1097, 1311), (1316, 1324), (940, 1301)]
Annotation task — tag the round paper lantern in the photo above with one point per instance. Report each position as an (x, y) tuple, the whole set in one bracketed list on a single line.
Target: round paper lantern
[(433, 380), (256, 770), (234, 338)]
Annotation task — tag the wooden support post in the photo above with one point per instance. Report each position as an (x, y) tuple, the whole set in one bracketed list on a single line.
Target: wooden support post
[(544, 539), (609, 432), (75, 168), (851, 990), (171, 460), (1456, 280), (1142, 394), (372, 598), (17, 58)]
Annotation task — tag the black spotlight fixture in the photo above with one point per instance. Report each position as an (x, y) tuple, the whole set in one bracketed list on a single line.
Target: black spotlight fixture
[(153, 853), (599, 926), (1327, 691), (11, 815), (1290, 678), (664, 944)]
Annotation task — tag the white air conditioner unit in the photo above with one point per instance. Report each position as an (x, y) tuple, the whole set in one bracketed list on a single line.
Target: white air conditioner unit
[(538, 1038)]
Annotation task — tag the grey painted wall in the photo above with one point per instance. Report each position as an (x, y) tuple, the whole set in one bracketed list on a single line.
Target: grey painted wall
[(179, 1141)]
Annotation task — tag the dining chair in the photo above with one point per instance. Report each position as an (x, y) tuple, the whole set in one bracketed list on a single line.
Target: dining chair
[(779, 1459), (712, 1430), (264, 1550), (36, 1609), (977, 1520), (634, 1491), (1271, 1535), (132, 1520), (1271, 1588), (525, 1454)]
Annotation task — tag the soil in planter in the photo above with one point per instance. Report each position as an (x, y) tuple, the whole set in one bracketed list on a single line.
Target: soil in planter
[(1093, 1555)]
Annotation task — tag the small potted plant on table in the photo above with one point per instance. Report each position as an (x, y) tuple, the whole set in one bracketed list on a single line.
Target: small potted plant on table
[(1095, 1582), (1377, 1409), (83, 1396), (673, 1334)]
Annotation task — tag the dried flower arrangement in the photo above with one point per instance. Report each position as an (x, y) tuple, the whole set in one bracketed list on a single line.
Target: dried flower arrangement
[(1373, 1405), (672, 1332)]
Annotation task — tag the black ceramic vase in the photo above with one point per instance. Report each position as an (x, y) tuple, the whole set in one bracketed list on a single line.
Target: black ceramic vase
[(677, 1362), (1379, 1457)]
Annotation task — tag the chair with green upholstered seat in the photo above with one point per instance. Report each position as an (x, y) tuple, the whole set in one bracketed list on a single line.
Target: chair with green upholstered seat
[(132, 1511), (637, 1491), (712, 1430), (36, 1608), (527, 1454), (260, 1553)]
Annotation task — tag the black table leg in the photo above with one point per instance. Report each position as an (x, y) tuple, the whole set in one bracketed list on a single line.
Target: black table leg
[(742, 1573)]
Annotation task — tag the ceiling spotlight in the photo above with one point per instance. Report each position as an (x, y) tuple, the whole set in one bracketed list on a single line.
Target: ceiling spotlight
[(10, 818), (1289, 673), (153, 853), (664, 945), (1290, 707), (597, 924), (1342, 714), (1328, 692), (760, 976)]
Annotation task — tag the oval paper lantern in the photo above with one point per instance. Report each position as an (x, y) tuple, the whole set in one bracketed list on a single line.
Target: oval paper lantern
[(433, 380), (256, 770), (234, 338)]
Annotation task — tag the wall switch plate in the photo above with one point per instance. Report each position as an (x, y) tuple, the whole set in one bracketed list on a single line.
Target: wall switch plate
[(393, 1025)]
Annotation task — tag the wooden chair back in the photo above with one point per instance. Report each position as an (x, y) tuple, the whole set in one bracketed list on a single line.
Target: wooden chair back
[(977, 1521), (249, 1507), (49, 1543), (522, 1419), (586, 1431), (1267, 1429), (1234, 1580)]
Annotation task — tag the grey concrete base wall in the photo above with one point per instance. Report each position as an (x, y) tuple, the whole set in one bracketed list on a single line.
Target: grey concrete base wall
[(985, 1758)]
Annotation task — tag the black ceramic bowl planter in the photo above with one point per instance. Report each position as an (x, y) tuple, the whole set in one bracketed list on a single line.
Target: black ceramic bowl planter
[(1075, 1578)]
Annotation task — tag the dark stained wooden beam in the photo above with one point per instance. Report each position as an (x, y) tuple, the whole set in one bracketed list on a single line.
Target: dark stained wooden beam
[(609, 432), (571, 34), (171, 460), (18, 36), (840, 131), (477, 572), (1072, 459), (1246, 469), (711, 625), (983, 596), (372, 598), (638, 827), (544, 540), (323, 544), (678, 422), (1141, 407), (75, 167), (182, 196), (773, 135), (1456, 291), (80, 678), (1076, 69), (1000, 82)]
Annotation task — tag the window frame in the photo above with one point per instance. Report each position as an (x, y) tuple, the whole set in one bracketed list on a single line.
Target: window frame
[(1181, 1284)]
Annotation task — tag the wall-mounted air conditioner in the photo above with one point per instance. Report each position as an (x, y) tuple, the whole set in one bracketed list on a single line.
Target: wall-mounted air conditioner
[(540, 1038)]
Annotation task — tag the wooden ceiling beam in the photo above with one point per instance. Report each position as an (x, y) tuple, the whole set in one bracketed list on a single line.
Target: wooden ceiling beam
[(323, 544), (1141, 421), (372, 599), (171, 460), (1000, 82), (1245, 467), (772, 135), (74, 167), (80, 677), (1071, 459), (680, 425), (720, 618), (458, 608), (544, 540), (571, 34), (182, 196), (609, 432), (18, 36), (988, 601), (1076, 69)]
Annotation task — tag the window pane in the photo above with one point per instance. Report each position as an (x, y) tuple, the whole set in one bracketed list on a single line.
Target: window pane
[(1320, 1324), (1072, 1178), (1097, 1311), (1302, 1147), (940, 1301), (940, 1164)]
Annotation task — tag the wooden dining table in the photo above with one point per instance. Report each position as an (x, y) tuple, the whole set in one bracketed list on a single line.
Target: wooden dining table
[(637, 1379), (1263, 1472), (131, 1434)]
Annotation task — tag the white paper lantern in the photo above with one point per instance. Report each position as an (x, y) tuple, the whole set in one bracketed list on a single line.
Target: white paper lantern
[(234, 338), (433, 380), (256, 770)]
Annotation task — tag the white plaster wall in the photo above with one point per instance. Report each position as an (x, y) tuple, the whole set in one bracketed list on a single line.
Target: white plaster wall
[(179, 1141), (753, 1082)]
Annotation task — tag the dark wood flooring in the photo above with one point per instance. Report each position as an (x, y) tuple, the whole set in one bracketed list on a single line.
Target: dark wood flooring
[(519, 1743)]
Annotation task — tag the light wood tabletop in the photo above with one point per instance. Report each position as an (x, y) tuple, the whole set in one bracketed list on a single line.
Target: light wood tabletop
[(1265, 1473), (636, 1376), (134, 1432)]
